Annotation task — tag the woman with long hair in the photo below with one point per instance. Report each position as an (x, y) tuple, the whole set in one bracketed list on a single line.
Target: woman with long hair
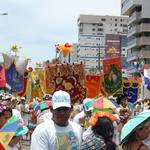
[(101, 138)]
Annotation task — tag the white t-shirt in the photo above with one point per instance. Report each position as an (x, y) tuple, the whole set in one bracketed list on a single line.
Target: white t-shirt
[(44, 116), (78, 116), (49, 136)]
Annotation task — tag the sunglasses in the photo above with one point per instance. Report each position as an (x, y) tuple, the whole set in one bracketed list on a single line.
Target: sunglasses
[(63, 109)]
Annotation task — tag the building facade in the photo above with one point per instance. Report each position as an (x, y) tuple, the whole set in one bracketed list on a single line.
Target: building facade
[(139, 30), (92, 31)]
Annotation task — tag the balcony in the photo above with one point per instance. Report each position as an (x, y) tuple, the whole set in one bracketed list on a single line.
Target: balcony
[(146, 53), (133, 56), (134, 17), (145, 27), (131, 31), (144, 41), (134, 30), (133, 43), (128, 5)]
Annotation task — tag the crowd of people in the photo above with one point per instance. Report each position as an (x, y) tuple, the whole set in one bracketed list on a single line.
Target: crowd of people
[(54, 123)]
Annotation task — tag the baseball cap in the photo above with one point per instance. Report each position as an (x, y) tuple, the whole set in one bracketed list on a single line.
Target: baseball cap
[(61, 99), (87, 102)]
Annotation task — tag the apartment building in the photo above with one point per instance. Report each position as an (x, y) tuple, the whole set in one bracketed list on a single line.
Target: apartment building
[(139, 30), (92, 31)]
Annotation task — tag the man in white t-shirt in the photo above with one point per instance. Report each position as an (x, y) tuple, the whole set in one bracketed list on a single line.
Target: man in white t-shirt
[(58, 133)]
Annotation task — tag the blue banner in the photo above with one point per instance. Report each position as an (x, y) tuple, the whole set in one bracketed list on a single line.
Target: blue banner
[(14, 79), (131, 88)]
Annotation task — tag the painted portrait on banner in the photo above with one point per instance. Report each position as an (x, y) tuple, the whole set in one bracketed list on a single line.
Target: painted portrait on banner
[(112, 74)]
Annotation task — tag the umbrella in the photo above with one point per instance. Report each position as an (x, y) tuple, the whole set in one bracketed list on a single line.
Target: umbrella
[(8, 131), (49, 103), (43, 105), (129, 127), (32, 105), (103, 103)]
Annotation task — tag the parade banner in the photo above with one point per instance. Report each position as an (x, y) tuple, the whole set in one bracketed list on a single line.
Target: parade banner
[(113, 45), (112, 74), (131, 88), (36, 85), (93, 84), (67, 77), (14, 79), (2, 76)]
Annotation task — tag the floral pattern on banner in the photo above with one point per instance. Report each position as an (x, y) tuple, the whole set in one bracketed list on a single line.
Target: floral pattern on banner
[(66, 77)]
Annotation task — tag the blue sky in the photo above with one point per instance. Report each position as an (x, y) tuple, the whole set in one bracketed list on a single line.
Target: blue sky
[(37, 25)]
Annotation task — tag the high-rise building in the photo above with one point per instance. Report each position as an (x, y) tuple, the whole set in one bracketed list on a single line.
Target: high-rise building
[(92, 30), (139, 30)]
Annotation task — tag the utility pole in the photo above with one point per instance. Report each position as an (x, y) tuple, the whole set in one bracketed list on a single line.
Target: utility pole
[(99, 54)]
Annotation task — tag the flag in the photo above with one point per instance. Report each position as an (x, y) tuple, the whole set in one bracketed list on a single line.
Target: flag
[(8, 131), (146, 78), (2, 76)]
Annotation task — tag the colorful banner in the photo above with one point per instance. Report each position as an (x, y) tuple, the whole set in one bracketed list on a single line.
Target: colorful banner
[(2, 76), (112, 74), (36, 85), (93, 84), (113, 45), (131, 88), (14, 79), (66, 77)]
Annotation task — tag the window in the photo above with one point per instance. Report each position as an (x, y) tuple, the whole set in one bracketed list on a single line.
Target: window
[(93, 29), (99, 29), (115, 19), (103, 19), (100, 24)]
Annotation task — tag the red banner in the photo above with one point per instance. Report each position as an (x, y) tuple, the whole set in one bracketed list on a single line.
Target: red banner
[(2, 76), (112, 74), (66, 77), (93, 83)]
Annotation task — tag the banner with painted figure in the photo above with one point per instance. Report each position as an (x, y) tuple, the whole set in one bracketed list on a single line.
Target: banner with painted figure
[(131, 88), (68, 77), (14, 79), (15, 73), (112, 74), (36, 85), (93, 84), (113, 45)]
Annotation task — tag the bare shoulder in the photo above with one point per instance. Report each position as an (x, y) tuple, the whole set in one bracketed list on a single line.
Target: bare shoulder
[(144, 147)]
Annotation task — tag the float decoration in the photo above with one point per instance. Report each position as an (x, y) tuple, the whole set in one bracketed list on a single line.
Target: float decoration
[(68, 77)]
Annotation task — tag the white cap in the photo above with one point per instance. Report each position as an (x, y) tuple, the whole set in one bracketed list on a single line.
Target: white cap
[(61, 99), (85, 101)]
